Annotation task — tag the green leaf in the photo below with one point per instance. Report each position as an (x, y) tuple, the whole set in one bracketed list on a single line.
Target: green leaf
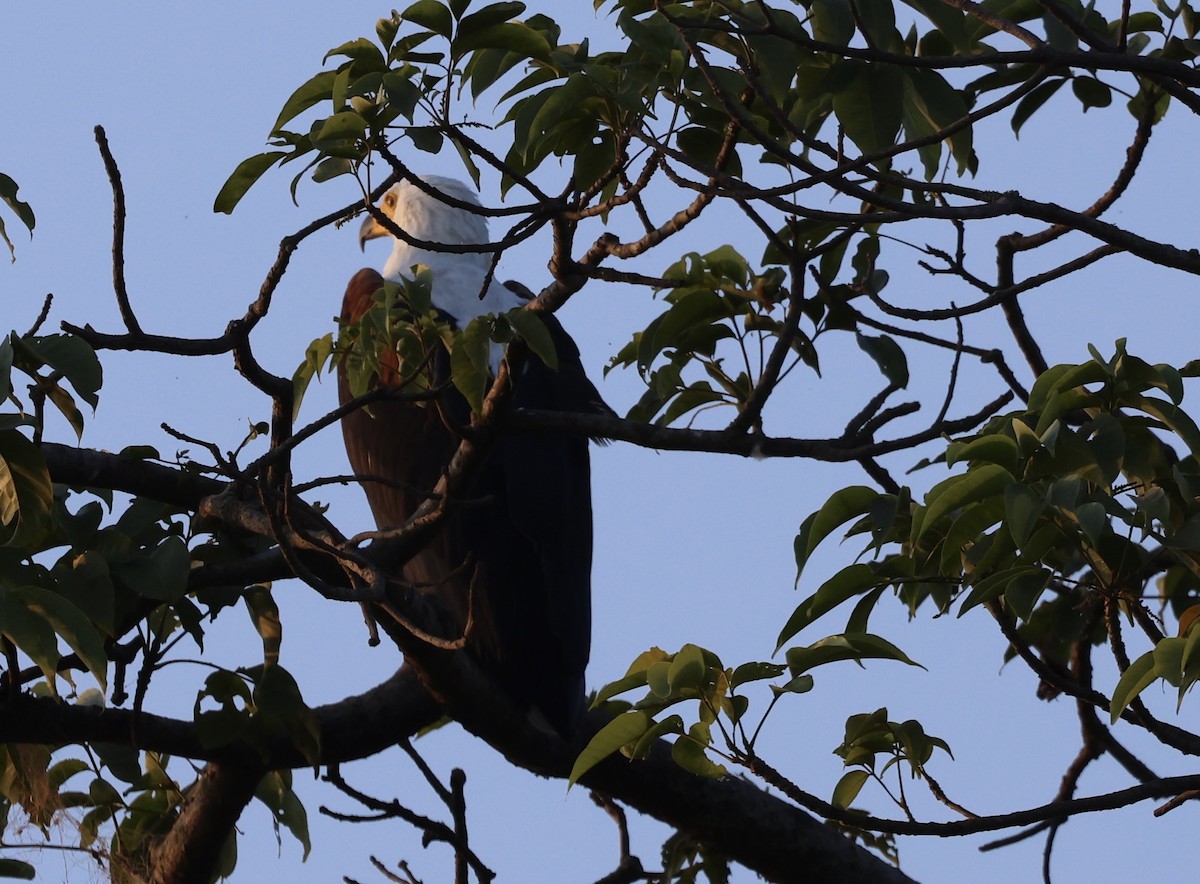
[(426, 138), (1030, 104), (512, 36), (845, 584), (1093, 519), (1091, 92), (430, 14), (1171, 415), (469, 361), (930, 106), (1023, 507), (994, 448), (276, 792), (832, 21), (6, 363), (958, 491), (342, 126), (703, 145), (15, 868), (161, 574), (248, 171), (264, 614), (68, 354), (801, 684), (849, 646), (687, 670), (623, 729), (30, 632), (364, 54), (949, 21), (70, 623), (1133, 681), (532, 329), (840, 508), (888, 356), (848, 787), (868, 101), (1024, 590), (8, 193), (877, 19), (315, 90), (672, 724), (26, 495), (690, 755), (280, 712), (748, 672), (492, 14), (319, 352)]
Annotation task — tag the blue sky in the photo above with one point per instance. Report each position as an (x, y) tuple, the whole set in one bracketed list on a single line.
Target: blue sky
[(689, 547)]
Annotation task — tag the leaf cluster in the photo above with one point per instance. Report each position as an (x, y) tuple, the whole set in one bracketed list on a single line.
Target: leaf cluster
[(1065, 512)]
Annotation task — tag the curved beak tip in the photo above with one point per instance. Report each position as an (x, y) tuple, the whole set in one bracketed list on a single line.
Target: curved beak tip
[(367, 230)]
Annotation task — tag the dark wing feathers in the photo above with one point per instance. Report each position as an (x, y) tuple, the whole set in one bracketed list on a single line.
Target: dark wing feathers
[(527, 529)]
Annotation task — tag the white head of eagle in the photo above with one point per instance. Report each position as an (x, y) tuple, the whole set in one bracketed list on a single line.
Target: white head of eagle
[(458, 276)]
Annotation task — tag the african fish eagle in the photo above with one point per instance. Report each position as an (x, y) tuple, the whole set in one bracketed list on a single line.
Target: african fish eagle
[(521, 546)]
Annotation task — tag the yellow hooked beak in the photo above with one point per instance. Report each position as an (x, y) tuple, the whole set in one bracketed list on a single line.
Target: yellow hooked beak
[(371, 229)]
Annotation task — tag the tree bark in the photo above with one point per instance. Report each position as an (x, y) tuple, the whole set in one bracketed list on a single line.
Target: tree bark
[(189, 852)]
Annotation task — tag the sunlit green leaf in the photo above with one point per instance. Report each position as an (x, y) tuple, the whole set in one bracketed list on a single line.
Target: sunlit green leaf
[(621, 730), (848, 787), (1133, 681), (26, 495), (690, 755)]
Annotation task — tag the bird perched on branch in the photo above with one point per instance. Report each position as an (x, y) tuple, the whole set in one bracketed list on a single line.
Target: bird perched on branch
[(518, 551)]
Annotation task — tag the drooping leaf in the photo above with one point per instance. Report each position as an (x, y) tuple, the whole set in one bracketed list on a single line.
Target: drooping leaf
[(26, 494), (690, 755), (868, 101), (888, 356), (469, 361), (532, 329), (264, 614), (623, 729), (31, 634), (1030, 104), (242, 179), (845, 584), (276, 792), (848, 787), (280, 711), (1133, 681), (840, 508), (69, 623)]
